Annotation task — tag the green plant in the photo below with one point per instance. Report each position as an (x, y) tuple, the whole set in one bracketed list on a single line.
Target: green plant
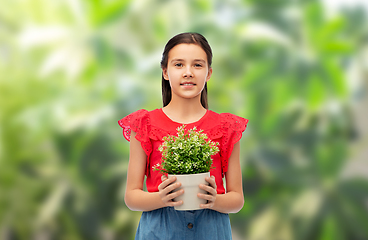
[(186, 153)]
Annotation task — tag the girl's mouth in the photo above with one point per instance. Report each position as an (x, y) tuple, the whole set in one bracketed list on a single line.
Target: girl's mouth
[(187, 84)]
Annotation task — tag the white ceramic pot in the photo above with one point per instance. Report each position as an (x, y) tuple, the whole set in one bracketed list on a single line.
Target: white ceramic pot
[(190, 184)]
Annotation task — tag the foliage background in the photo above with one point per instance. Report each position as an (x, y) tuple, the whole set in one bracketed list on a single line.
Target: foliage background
[(296, 69)]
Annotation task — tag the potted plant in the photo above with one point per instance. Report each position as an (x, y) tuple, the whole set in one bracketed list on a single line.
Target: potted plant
[(188, 157)]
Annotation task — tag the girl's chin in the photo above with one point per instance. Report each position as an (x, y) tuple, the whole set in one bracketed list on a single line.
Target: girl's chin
[(188, 96)]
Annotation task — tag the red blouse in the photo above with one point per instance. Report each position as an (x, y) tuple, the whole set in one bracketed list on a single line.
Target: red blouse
[(151, 126)]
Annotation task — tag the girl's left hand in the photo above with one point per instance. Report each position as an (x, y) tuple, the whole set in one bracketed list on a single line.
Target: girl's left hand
[(211, 192)]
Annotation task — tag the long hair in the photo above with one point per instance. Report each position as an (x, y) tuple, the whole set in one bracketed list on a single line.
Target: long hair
[(188, 38)]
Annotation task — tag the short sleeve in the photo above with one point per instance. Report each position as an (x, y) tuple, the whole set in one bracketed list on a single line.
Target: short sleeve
[(140, 123), (233, 127)]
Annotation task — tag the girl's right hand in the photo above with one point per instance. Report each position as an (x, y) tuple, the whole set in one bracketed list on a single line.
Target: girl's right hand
[(165, 191)]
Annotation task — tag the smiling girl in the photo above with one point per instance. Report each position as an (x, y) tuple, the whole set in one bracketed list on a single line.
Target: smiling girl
[(186, 69)]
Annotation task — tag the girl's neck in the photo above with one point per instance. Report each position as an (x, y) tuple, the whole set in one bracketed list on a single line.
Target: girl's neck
[(184, 111)]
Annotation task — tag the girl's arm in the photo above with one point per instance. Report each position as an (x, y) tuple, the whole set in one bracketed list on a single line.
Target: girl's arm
[(135, 198), (233, 200)]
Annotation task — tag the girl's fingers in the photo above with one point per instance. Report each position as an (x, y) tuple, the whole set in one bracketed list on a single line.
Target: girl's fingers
[(208, 205), (210, 200), (165, 194), (163, 178), (208, 189), (168, 198), (211, 189), (173, 195), (166, 191), (207, 197), (212, 181), (165, 182), (174, 204), (171, 187)]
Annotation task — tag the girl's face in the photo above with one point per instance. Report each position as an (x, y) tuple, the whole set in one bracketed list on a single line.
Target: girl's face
[(187, 70)]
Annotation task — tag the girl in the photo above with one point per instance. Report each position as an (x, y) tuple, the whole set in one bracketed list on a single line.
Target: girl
[(186, 68)]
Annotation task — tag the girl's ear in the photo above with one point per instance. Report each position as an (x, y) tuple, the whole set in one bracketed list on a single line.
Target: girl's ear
[(209, 74), (164, 73)]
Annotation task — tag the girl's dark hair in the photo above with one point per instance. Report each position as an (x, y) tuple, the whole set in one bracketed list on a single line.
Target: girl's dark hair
[(188, 38)]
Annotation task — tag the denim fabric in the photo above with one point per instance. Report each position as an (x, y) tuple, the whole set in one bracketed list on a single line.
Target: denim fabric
[(169, 224)]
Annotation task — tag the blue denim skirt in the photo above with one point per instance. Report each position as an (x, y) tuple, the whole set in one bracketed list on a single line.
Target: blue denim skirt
[(169, 224)]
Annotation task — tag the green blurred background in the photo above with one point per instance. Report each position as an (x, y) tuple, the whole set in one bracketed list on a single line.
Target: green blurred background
[(69, 70)]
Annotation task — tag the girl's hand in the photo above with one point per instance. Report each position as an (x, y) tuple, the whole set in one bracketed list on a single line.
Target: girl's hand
[(211, 192), (165, 191)]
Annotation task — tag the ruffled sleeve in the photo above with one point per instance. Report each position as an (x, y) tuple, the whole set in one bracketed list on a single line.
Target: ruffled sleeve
[(140, 123), (232, 127)]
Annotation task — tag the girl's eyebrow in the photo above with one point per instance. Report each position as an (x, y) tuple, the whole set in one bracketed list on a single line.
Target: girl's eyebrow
[(199, 60), (177, 60), (182, 60)]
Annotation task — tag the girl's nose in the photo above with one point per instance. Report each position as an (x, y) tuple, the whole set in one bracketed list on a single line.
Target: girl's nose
[(188, 73)]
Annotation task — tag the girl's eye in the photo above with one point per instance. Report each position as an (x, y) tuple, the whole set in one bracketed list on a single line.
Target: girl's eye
[(178, 65), (198, 65)]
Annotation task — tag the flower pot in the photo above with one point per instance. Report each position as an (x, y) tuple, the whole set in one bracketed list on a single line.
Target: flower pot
[(190, 184)]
